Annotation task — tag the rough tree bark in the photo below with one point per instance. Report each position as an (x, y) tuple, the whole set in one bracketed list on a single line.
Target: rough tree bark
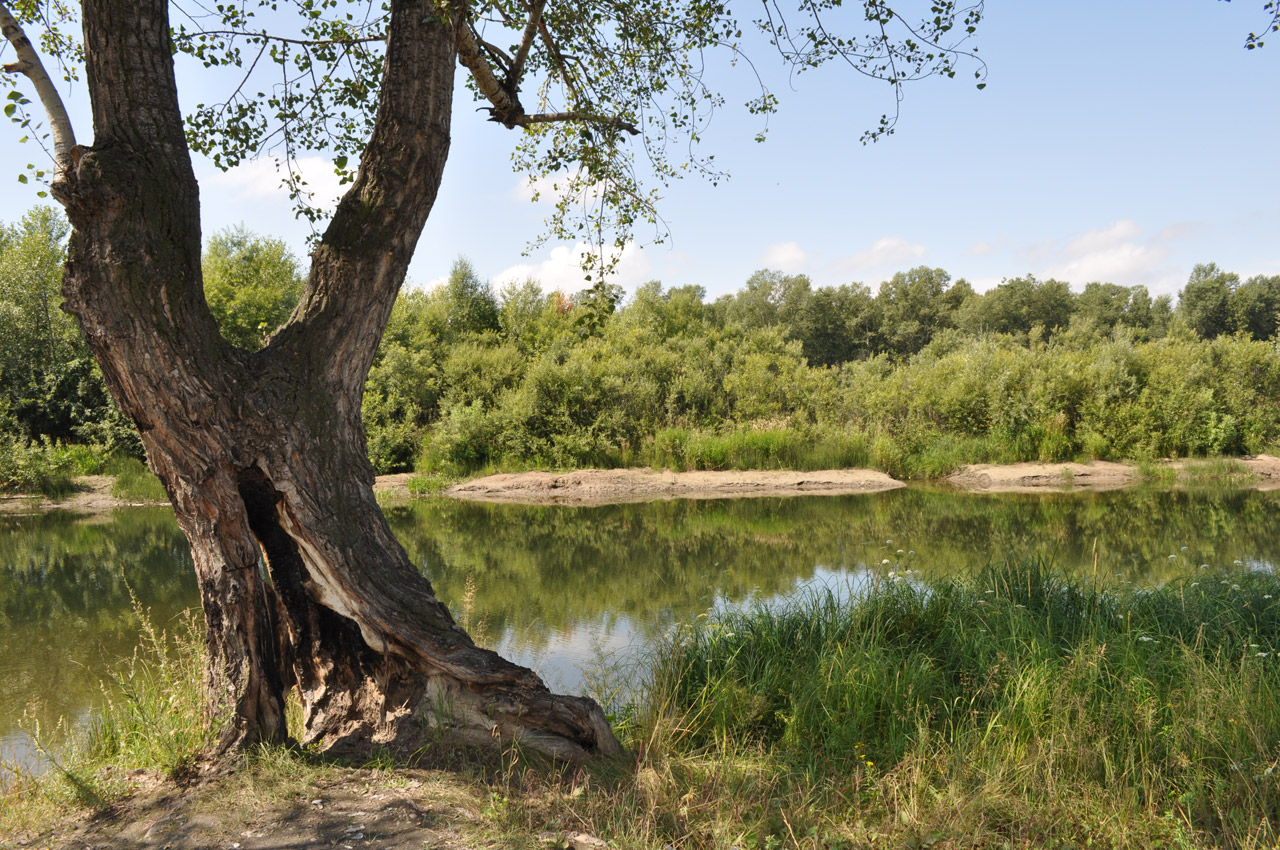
[(263, 454)]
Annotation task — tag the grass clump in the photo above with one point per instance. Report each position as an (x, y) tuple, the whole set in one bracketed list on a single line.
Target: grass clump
[(152, 716), (134, 482)]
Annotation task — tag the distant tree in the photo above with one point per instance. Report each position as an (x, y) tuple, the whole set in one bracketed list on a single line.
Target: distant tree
[(913, 306), (49, 384), (520, 308), (769, 299), (667, 315), (1205, 302), (838, 325), (252, 284), (1102, 307), (470, 305), (1018, 305), (1255, 307)]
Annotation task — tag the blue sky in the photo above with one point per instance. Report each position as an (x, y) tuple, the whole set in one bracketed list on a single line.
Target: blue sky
[(1121, 141)]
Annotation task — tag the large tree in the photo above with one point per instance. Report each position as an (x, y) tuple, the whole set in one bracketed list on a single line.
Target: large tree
[(262, 452)]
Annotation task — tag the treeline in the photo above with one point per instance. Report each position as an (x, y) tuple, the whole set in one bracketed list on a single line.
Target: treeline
[(919, 378), (915, 378)]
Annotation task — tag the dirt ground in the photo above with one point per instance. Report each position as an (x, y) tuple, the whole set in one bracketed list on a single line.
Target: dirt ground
[(332, 807), (351, 809)]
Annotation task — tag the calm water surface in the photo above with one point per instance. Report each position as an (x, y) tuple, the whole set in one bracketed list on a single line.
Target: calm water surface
[(573, 591)]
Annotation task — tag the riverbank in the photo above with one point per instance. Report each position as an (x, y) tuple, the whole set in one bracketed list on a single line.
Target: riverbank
[(614, 486), (586, 487)]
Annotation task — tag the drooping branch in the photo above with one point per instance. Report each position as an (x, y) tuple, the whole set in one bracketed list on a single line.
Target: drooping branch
[(64, 138), (264, 36)]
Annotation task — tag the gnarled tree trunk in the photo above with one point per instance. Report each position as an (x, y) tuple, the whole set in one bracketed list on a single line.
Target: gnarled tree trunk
[(263, 454)]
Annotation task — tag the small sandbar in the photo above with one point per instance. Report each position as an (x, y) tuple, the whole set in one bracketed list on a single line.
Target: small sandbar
[(1262, 472), (616, 486)]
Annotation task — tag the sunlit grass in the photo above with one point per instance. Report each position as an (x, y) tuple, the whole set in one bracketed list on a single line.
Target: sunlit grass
[(1013, 708), (134, 482)]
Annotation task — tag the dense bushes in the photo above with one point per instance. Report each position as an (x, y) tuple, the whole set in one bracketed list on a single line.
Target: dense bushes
[(700, 402), (915, 379)]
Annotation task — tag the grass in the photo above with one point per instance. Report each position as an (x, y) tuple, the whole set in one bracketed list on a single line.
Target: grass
[(134, 482), (152, 717), (1012, 708)]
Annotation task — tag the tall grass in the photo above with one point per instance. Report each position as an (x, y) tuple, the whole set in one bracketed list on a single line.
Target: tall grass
[(152, 716), (134, 482), (1015, 706)]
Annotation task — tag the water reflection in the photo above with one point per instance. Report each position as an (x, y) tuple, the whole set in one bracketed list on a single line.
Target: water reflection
[(556, 587), (67, 587)]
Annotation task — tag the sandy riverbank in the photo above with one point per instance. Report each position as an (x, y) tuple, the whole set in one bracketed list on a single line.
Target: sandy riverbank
[(597, 486), (616, 486), (612, 486)]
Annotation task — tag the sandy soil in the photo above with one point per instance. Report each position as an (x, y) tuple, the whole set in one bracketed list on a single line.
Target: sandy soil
[(92, 496), (1099, 475), (614, 486), (346, 808)]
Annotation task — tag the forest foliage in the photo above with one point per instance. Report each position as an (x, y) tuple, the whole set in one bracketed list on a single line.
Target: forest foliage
[(916, 377)]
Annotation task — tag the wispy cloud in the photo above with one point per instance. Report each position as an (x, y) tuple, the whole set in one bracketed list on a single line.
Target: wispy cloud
[(890, 253), (1122, 252), (786, 257), (561, 271)]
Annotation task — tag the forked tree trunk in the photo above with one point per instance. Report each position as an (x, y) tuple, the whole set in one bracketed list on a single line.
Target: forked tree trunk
[(263, 454)]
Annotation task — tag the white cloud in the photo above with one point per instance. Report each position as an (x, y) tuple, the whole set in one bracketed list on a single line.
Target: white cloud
[(1182, 231), (981, 249), (1128, 264), (261, 179), (1104, 239), (890, 252), (561, 271), (787, 257), (1118, 253)]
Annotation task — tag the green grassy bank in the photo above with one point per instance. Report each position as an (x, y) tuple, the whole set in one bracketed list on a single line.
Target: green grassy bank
[(1014, 708)]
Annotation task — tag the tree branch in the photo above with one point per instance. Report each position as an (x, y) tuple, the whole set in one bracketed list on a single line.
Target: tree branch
[(576, 115), (64, 138), (266, 37), (526, 42), (506, 108), (361, 261)]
